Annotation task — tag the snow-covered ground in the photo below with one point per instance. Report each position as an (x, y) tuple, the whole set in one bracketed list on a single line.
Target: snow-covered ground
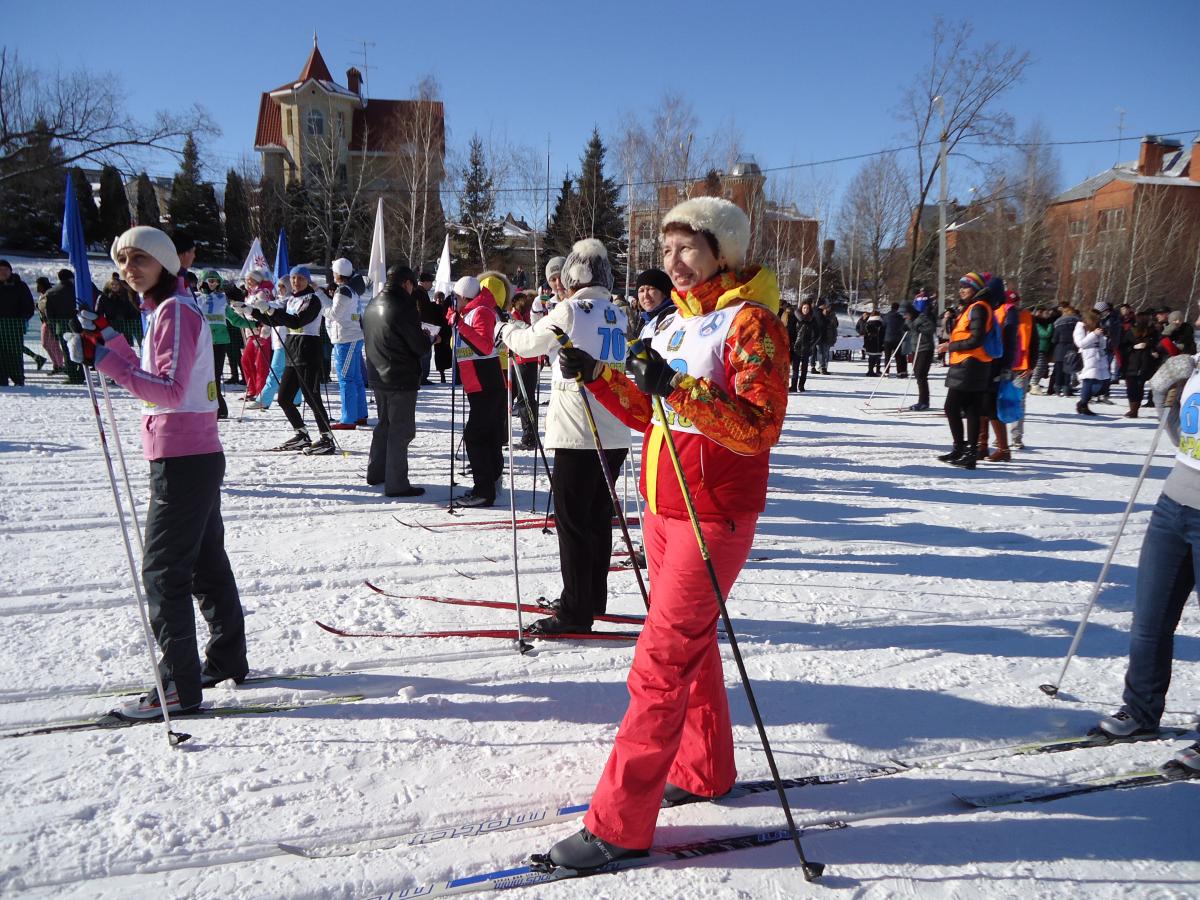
[(899, 607)]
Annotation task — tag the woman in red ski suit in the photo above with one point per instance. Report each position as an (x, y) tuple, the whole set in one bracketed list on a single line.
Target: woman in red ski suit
[(721, 366)]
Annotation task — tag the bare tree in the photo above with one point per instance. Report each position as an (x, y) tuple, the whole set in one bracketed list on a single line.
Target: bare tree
[(419, 219), (84, 114), (873, 217), (969, 78)]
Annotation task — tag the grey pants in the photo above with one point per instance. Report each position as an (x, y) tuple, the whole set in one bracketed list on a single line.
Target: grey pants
[(1016, 431), (397, 427)]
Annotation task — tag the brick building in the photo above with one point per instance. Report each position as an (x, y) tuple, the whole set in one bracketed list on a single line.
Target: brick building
[(780, 236), (1132, 234)]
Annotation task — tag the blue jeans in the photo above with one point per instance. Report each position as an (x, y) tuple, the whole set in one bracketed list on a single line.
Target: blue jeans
[(348, 365), (1167, 570), (1090, 387)]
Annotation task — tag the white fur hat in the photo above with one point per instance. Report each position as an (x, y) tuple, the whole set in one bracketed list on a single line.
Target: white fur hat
[(467, 287), (554, 266), (723, 220), (148, 240), (586, 265), (343, 267)]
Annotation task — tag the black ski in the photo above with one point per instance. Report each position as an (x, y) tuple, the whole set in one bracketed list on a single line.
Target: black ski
[(1167, 774)]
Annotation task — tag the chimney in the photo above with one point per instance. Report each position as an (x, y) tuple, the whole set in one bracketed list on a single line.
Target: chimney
[(1150, 156), (1194, 161), (354, 80)]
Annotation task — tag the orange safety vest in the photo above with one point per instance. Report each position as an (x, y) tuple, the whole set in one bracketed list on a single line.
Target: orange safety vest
[(962, 332), (1021, 359)]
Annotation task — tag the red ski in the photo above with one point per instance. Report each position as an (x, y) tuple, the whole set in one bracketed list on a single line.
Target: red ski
[(504, 633), (495, 524), (500, 604)]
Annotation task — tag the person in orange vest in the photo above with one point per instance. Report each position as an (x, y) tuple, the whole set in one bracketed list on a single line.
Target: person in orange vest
[(970, 369), (1018, 328)]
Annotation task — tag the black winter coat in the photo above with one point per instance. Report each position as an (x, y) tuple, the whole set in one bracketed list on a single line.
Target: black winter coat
[(971, 374), (394, 340), (60, 301), (894, 327), (1062, 339), (921, 327), (809, 332), (16, 302), (873, 335)]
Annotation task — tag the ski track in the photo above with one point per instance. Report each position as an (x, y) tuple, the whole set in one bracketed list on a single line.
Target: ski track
[(904, 607)]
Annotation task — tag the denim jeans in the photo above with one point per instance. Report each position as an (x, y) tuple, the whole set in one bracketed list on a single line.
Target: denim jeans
[(1091, 387), (1166, 576)]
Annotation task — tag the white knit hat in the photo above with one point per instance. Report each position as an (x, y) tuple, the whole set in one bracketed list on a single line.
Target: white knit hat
[(723, 220), (342, 267), (148, 240), (587, 264), (467, 287), (554, 266)]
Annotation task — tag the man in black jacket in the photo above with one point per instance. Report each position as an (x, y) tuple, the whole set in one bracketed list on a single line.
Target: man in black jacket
[(894, 330), (16, 308), (396, 345), (60, 311)]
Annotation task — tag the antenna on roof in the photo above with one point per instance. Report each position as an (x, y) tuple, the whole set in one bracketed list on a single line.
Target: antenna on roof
[(314, 37), (366, 69), (1120, 132)]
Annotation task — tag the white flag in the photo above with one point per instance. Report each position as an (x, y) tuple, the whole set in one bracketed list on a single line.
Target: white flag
[(441, 280), (254, 260), (377, 268)]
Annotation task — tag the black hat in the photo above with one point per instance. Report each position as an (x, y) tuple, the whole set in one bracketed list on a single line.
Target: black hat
[(426, 276), (655, 278), (183, 241)]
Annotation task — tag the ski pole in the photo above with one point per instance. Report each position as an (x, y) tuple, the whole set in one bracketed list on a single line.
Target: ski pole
[(812, 870), (536, 435), (112, 424), (1052, 689), (453, 405), (174, 738), (565, 342), (882, 375), (522, 646), (304, 392)]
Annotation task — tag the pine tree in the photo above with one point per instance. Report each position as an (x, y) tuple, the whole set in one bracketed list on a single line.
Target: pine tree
[(237, 217), (599, 214), (560, 231), (189, 208), (146, 205), (89, 215), (33, 204), (477, 208), (114, 205)]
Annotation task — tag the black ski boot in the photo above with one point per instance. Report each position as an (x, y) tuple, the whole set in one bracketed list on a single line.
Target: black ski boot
[(673, 795), (298, 442), (959, 450), (324, 447), (966, 460), (555, 625), (583, 852)]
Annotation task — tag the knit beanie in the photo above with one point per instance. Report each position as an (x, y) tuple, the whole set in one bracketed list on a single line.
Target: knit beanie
[(467, 287), (151, 241), (342, 267), (656, 278), (725, 221), (972, 280), (302, 271), (554, 266), (587, 265)]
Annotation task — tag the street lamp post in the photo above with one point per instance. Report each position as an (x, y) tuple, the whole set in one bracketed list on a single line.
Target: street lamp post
[(942, 296)]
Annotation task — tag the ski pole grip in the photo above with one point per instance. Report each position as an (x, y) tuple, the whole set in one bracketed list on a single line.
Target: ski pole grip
[(639, 349), (561, 336)]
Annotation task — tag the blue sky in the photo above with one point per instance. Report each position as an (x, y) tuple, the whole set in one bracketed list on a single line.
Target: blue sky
[(802, 81)]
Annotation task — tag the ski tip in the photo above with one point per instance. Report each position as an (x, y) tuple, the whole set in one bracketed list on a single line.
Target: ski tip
[(1050, 690), (177, 737), (293, 849), (813, 870)]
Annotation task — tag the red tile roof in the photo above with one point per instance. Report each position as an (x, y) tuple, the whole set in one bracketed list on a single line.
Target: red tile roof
[(270, 125), (315, 67), (383, 123)]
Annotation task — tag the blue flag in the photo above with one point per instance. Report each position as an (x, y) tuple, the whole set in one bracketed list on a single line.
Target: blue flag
[(76, 248), (282, 267)]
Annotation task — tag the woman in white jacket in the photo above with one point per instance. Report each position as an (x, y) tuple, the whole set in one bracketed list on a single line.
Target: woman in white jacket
[(582, 505), (1092, 343), (343, 321)]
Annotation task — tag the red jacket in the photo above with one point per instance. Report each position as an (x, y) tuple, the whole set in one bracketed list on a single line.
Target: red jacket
[(478, 364)]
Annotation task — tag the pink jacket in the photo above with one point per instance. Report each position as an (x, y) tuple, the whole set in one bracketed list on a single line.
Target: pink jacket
[(164, 384)]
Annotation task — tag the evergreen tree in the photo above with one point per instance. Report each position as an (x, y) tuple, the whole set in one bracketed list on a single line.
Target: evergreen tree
[(477, 209), (237, 218), (114, 205), (89, 215), (146, 205), (33, 204), (189, 208), (599, 214), (560, 230)]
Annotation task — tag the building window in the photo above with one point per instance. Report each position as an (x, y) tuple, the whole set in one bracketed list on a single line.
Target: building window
[(1112, 219), (342, 173), (341, 125), (289, 123), (1076, 227), (315, 122)]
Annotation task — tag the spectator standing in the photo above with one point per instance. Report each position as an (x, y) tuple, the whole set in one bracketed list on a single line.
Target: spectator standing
[(343, 321), (810, 331), (60, 310), (49, 342), (921, 328), (1063, 351), (16, 309), (894, 330)]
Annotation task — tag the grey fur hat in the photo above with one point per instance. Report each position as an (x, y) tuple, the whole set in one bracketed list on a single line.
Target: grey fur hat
[(554, 266), (587, 265)]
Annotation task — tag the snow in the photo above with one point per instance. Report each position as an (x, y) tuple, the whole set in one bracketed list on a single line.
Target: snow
[(903, 607)]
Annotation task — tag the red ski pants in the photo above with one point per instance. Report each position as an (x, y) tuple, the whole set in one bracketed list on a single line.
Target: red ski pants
[(677, 725), (256, 363)]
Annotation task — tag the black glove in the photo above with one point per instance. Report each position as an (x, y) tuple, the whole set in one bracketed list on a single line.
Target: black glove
[(573, 362), (651, 373)]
